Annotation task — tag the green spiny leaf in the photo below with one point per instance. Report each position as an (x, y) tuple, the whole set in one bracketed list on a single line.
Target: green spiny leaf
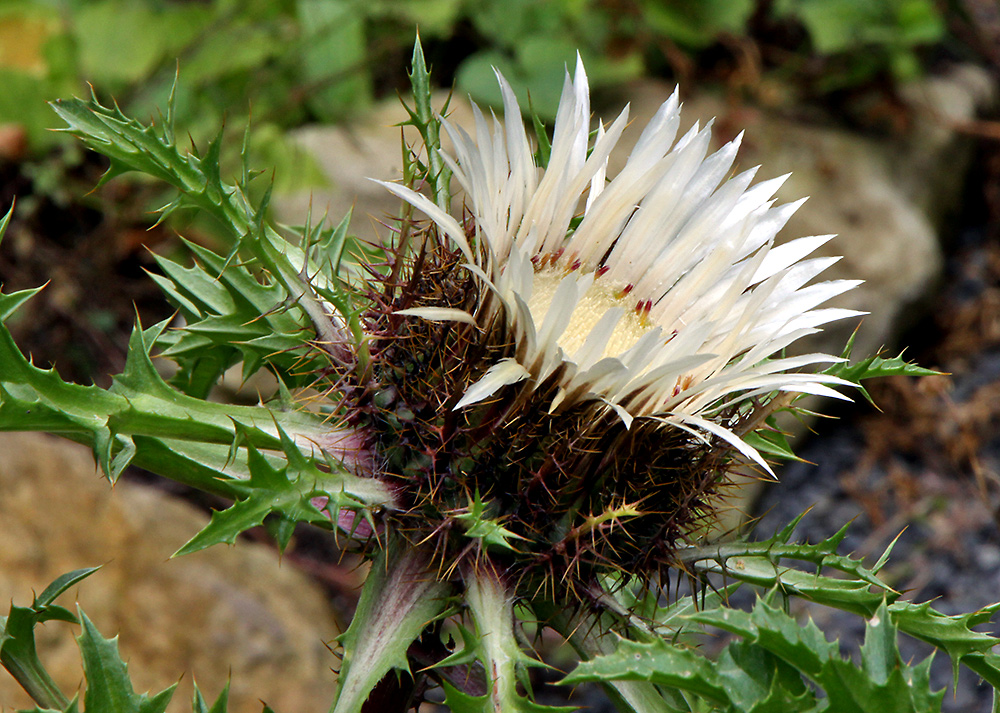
[(879, 653), (226, 525), (590, 636), (953, 634), (479, 525), (17, 639), (658, 662), (253, 322), (544, 145), (873, 367), (458, 701), (196, 292), (281, 528), (221, 704), (5, 221), (854, 595), (805, 647), (59, 585), (271, 491), (764, 671), (109, 689), (133, 146), (326, 247), (141, 418), (758, 681), (771, 441), (10, 303), (760, 564), (286, 489)]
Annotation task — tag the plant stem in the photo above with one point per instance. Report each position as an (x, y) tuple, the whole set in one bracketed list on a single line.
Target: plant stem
[(36, 681), (438, 174)]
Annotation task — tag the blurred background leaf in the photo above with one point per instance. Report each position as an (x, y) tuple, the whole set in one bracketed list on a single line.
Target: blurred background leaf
[(299, 61)]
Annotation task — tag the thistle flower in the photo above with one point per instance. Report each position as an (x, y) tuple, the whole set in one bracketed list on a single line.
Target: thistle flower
[(567, 372), (664, 299)]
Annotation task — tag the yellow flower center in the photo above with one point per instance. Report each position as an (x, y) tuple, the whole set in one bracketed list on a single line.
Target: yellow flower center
[(593, 304)]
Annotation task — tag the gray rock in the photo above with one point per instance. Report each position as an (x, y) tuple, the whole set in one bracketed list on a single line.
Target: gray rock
[(219, 613)]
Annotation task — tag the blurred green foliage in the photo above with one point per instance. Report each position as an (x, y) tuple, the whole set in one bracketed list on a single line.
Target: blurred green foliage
[(697, 25), (292, 61), (870, 36), (532, 43)]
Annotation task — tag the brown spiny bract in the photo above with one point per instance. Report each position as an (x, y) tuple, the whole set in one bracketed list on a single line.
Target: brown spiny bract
[(580, 492)]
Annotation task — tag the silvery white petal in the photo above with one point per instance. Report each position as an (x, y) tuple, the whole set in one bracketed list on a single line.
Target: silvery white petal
[(439, 314), (503, 373)]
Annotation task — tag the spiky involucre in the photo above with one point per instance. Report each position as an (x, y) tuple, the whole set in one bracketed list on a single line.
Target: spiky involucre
[(577, 493), (584, 352)]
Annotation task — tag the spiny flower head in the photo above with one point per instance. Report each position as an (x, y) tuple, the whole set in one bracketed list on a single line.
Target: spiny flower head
[(582, 351), (665, 297)]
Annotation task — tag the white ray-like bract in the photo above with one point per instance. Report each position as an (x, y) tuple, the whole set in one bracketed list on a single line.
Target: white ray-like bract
[(659, 291)]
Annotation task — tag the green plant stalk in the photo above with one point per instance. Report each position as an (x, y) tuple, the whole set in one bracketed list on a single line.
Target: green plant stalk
[(401, 597), (34, 679), (438, 174), (492, 611)]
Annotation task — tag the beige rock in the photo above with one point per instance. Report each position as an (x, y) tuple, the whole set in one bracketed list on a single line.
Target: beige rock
[(226, 611), (350, 155), (932, 169)]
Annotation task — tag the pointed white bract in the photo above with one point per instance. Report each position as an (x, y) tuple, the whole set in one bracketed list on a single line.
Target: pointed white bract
[(658, 292)]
